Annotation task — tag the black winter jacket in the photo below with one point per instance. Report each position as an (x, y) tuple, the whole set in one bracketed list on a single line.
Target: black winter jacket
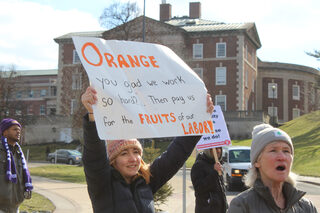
[(208, 186), (108, 190)]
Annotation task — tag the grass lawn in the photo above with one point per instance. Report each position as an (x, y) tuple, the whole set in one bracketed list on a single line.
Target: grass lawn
[(37, 203), (68, 173)]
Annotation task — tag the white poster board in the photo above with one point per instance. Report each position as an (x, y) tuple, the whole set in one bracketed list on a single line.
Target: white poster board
[(221, 135), (144, 90)]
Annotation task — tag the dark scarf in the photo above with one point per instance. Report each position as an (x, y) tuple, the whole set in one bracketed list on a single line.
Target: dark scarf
[(11, 167)]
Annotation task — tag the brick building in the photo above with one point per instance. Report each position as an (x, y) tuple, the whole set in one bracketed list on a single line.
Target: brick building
[(222, 54), (34, 89)]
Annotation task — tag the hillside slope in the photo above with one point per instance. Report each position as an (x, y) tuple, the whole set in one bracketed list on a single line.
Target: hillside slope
[(305, 134)]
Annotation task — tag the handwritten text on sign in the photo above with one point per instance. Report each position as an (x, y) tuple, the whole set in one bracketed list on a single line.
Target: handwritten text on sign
[(144, 90), (221, 135)]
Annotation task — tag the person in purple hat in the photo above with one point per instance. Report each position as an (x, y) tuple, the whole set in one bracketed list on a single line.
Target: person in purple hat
[(15, 180)]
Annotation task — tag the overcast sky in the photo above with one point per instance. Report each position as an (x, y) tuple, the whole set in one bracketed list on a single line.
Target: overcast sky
[(287, 28)]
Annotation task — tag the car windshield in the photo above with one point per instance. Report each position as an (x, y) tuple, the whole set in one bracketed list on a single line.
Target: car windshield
[(239, 156), (74, 152)]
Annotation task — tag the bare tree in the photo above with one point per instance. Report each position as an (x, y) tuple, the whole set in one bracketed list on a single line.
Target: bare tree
[(315, 54), (11, 103), (118, 15), (316, 85)]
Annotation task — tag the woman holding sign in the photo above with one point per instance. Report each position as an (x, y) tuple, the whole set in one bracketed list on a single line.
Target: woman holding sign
[(118, 179), (208, 184), (270, 178)]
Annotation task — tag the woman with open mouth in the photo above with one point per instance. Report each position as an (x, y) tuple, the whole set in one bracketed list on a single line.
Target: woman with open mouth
[(271, 182)]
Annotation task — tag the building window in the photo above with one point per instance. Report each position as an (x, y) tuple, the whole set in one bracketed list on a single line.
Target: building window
[(273, 111), (199, 72), (43, 92), (221, 50), (296, 92), (221, 73), (19, 94), (74, 106), (197, 51), (76, 81), (53, 90), (31, 93), (42, 110), (272, 90), (221, 101), (295, 113), (76, 58), (246, 76)]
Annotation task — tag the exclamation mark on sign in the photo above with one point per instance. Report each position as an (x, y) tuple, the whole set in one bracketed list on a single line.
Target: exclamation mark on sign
[(211, 126)]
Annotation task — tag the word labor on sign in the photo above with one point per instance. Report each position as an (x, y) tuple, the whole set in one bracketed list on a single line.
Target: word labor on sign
[(143, 89), (220, 137)]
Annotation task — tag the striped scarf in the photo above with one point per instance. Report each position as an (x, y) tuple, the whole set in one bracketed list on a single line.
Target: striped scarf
[(11, 167)]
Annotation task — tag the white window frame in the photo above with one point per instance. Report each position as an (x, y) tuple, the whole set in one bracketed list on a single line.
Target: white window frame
[(270, 111), (270, 91), (199, 71), (223, 99), (295, 113), (197, 51), (221, 76), (221, 53), (297, 96), (43, 92), (76, 58), (73, 106), (53, 90), (42, 110), (76, 81)]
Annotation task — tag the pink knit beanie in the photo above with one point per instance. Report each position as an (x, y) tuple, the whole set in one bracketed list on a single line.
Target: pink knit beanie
[(114, 147)]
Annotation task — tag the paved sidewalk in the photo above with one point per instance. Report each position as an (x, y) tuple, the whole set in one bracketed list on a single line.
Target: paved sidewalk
[(67, 197)]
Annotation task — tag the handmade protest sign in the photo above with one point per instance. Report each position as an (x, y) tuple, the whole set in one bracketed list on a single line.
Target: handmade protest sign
[(221, 135), (144, 90)]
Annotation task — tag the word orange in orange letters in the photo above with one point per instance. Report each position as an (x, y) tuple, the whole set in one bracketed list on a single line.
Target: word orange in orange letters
[(157, 118), (119, 61), (198, 128)]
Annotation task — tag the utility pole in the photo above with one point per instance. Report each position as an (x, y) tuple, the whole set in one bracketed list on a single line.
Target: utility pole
[(144, 21)]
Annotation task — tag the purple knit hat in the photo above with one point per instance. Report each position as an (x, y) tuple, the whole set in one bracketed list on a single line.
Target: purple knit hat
[(7, 123)]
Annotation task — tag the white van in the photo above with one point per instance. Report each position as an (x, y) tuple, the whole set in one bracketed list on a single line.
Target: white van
[(236, 165)]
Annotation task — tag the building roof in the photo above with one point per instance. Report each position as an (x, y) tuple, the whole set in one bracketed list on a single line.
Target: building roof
[(286, 66), (53, 72), (84, 34), (201, 25)]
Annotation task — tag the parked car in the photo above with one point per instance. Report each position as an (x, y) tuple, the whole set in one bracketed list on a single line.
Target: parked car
[(236, 165), (69, 156)]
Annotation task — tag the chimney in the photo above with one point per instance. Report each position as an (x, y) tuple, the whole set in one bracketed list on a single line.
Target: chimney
[(194, 10), (165, 11)]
